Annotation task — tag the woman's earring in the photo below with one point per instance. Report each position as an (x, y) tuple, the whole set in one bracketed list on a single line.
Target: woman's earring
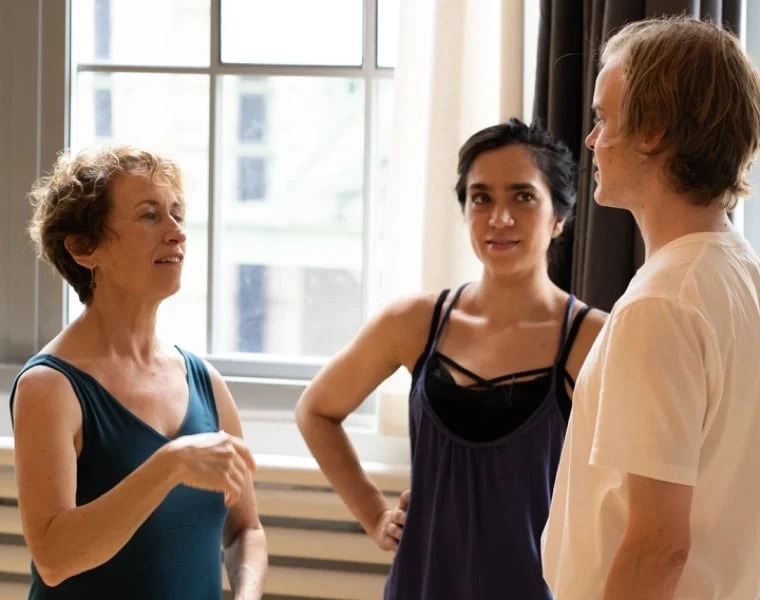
[(92, 279)]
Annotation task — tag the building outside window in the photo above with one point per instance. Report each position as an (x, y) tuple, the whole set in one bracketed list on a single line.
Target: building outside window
[(277, 112)]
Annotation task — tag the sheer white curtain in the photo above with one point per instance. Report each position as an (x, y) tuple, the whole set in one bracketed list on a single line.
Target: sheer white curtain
[(459, 69)]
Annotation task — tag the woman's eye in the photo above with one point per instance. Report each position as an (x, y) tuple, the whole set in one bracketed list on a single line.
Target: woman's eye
[(479, 199), (150, 216), (179, 218), (525, 197)]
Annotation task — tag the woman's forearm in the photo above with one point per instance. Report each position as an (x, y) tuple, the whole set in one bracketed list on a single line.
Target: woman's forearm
[(246, 562), (82, 538), (337, 458)]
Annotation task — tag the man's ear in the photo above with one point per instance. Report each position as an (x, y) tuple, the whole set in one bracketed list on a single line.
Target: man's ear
[(652, 139), (80, 250)]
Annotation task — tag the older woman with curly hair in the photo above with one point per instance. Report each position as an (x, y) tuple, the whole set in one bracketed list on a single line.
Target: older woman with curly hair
[(130, 468)]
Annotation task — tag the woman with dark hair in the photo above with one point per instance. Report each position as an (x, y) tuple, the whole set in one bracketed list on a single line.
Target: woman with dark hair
[(130, 468), (492, 366)]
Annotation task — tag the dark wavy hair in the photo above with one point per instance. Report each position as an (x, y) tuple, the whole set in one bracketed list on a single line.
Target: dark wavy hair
[(550, 155)]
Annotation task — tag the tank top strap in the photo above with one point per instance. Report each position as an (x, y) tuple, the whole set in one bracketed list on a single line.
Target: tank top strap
[(565, 325), (199, 381), (445, 318), (431, 332), (561, 342), (567, 345), (78, 382)]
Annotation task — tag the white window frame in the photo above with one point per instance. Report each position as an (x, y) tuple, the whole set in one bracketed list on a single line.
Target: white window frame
[(290, 368), (35, 80)]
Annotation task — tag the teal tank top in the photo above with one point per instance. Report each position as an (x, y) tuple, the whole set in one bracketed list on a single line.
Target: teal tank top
[(176, 552)]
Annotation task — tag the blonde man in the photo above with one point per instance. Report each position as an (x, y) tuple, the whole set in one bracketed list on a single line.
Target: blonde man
[(656, 494)]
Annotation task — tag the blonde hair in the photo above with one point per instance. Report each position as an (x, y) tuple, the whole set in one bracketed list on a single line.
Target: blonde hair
[(74, 200), (693, 80)]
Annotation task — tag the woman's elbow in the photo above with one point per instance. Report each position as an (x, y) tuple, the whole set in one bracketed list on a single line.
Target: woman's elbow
[(50, 573), (307, 417), (52, 567), (302, 415)]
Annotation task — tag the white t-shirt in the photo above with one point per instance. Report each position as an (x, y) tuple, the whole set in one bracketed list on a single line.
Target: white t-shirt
[(671, 391)]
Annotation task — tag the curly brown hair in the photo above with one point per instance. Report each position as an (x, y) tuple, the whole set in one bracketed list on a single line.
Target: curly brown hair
[(74, 202), (693, 79)]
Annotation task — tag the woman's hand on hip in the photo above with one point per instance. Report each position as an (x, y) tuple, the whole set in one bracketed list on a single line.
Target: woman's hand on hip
[(390, 524)]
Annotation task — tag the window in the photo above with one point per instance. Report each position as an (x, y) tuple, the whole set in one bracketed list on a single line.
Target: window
[(103, 110), (252, 301), (102, 29), (253, 119), (252, 127), (279, 125), (253, 178), (325, 291)]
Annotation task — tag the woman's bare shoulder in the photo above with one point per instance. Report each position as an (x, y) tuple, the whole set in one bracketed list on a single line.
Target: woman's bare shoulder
[(410, 316), (593, 323), (411, 308), (587, 333), (45, 394), (399, 330)]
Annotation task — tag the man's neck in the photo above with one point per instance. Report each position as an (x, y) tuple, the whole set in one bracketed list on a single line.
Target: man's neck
[(666, 217)]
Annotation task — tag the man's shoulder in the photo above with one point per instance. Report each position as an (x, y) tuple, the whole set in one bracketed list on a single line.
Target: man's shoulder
[(695, 269)]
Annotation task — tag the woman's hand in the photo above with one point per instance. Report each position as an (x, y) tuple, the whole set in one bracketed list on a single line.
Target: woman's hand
[(214, 461), (390, 525)]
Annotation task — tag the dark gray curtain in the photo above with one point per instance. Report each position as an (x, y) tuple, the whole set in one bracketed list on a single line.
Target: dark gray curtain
[(603, 249)]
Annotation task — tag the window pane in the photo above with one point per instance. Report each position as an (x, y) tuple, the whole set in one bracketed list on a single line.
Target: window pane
[(144, 110), (386, 94), (251, 302), (387, 32), (291, 260), (253, 117), (141, 32), (292, 32), (252, 174), (383, 126)]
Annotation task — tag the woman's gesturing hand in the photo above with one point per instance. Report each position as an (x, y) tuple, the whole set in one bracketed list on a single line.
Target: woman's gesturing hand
[(215, 461)]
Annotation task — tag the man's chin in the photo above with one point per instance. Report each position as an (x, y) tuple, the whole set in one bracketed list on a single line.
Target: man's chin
[(601, 199)]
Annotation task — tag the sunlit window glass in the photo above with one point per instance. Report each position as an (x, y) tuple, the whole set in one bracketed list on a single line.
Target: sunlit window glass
[(292, 32)]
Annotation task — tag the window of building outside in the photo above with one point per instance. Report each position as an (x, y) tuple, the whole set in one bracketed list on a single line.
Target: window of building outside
[(280, 125)]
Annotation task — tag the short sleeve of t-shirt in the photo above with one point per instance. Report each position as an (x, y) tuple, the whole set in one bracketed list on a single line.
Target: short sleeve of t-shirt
[(654, 391)]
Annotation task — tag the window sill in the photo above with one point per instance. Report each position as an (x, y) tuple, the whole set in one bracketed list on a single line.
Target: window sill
[(280, 452)]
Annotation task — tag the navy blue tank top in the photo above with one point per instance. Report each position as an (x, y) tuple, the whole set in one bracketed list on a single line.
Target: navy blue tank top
[(176, 552), (477, 508)]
